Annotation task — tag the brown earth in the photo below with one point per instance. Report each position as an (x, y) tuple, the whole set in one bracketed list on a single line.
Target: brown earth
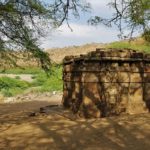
[(58, 54), (55, 54), (59, 130)]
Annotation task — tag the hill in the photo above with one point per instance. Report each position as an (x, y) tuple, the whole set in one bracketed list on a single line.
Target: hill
[(136, 44), (57, 54)]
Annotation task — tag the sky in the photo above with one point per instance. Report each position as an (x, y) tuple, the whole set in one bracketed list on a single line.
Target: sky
[(82, 32)]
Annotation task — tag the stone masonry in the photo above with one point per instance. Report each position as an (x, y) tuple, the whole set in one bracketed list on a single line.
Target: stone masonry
[(107, 82)]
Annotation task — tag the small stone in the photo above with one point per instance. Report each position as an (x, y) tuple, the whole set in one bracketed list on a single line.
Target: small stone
[(9, 100), (54, 92), (32, 114), (42, 110)]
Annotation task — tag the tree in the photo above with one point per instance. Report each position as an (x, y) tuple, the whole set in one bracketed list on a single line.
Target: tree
[(133, 15), (21, 24), (15, 30)]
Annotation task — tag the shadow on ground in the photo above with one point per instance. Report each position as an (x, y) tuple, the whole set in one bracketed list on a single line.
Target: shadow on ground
[(55, 131)]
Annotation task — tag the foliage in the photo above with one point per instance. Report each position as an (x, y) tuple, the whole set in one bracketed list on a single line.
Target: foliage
[(11, 87), (18, 70), (137, 44), (129, 15), (146, 35), (17, 77), (42, 82), (19, 29), (49, 83), (22, 21)]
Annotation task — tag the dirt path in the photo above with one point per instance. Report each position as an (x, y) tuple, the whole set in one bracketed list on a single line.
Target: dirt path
[(25, 77), (56, 131)]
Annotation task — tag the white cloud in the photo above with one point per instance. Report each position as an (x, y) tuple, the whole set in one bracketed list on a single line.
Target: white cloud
[(81, 34), (101, 8)]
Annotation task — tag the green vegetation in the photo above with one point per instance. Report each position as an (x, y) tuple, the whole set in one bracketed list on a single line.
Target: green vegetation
[(26, 70), (17, 77), (138, 44), (129, 16), (18, 31), (42, 82), (11, 87), (49, 83)]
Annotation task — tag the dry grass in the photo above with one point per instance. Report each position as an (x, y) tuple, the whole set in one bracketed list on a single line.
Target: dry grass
[(58, 54), (136, 44)]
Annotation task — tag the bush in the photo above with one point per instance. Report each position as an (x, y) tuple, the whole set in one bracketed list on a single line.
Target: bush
[(33, 77), (42, 82), (11, 87), (146, 35), (53, 82), (17, 77), (22, 70)]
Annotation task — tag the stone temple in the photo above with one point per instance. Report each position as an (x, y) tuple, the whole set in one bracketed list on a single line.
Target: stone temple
[(107, 82)]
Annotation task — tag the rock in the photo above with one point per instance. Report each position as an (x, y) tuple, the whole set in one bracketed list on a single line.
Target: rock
[(54, 92), (9, 100), (43, 110), (32, 114)]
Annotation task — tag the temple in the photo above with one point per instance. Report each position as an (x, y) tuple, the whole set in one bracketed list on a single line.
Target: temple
[(107, 82)]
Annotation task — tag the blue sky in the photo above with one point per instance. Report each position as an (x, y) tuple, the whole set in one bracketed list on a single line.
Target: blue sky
[(82, 32)]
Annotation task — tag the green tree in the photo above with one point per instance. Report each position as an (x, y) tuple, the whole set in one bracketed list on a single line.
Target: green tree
[(133, 15), (21, 23)]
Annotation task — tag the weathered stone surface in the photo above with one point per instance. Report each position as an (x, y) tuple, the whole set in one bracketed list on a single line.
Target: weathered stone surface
[(107, 82)]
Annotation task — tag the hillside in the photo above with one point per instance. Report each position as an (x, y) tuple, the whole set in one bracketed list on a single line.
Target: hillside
[(136, 44), (57, 54)]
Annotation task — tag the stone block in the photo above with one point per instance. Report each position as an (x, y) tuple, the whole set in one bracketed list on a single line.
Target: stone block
[(107, 82)]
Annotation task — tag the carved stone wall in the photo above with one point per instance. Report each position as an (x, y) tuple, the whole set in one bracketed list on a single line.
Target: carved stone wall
[(107, 82)]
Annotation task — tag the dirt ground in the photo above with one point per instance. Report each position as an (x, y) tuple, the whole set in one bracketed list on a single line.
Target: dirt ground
[(25, 77), (59, 130)]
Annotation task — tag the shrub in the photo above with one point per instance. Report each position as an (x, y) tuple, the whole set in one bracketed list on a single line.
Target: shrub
[(18, 70), (17, 77), (146, 35), (53, 82), (11, 87)]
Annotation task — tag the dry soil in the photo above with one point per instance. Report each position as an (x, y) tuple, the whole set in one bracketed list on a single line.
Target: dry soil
[(59, 130)]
